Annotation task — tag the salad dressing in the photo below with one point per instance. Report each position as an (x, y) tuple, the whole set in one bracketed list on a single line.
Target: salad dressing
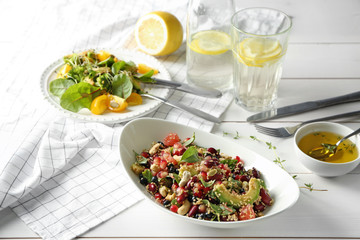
[(347, 150)]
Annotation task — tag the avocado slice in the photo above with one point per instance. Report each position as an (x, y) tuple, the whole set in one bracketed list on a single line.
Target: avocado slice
[(235, 199)]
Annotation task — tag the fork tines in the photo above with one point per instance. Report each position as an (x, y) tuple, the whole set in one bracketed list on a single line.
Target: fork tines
[(274, 132)]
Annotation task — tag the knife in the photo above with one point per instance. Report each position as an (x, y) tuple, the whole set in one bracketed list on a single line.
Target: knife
[(303, 107), (200, 91)]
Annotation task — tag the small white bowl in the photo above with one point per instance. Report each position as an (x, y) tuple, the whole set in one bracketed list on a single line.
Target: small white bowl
[(321, 168), (139, 134)]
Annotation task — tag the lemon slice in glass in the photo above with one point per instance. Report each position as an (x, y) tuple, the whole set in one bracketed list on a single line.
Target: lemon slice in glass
[(158, 33), (258, 51), (210, 42)]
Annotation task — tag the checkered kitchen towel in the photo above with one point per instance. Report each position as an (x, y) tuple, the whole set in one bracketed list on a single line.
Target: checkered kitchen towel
[(62, 176)]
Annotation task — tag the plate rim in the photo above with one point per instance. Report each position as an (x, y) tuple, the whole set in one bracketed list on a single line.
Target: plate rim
[(116, 118)]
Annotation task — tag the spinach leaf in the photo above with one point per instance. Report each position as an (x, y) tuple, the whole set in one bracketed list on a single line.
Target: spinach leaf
[(79, 96), (116, 67), (107, 62), (190, 155), (146, 78), (122, 85), (59, 86)]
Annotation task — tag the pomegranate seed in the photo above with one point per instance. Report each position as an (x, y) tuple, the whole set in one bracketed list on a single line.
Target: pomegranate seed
[(180, 191), (152, 187), (158, 196), (174, 186), (156, 160), (174, 208), (145, 154), (162, 174), (193, 210), (177, 145), (212, 150), (204, 175), (163, 164)]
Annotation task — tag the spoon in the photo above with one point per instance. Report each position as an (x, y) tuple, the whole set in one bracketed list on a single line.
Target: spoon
[(328, 150)]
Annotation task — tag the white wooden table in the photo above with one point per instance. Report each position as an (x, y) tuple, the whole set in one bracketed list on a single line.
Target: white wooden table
[(323, 60)]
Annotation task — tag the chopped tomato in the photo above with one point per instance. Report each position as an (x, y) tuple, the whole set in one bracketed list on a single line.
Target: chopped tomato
[(134, 99), (171, 139), (117, 104), (99, 104), (246, 212)]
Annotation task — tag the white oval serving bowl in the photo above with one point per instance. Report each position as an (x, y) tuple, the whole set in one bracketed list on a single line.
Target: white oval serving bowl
[(138, 135), (321, 168)]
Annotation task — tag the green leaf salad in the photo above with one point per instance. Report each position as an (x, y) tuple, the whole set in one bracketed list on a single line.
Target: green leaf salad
[(87, 75)]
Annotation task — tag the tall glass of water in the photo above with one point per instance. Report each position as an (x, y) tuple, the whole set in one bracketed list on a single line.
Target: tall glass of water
[(208, 51), (259, 44)]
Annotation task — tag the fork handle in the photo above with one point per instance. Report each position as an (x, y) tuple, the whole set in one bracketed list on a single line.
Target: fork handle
[(349, 114)]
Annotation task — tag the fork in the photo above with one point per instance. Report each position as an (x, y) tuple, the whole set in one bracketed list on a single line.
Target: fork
[(283, 132)]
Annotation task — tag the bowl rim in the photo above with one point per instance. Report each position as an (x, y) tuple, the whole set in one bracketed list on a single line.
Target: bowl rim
[(296, 141)]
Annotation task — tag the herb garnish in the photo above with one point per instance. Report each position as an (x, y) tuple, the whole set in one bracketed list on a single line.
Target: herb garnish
[(190, 155), (190, 141), (147, 174)]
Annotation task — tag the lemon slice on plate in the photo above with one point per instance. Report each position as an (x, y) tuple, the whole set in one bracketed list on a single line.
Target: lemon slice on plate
[(158, 33), (210, 42)]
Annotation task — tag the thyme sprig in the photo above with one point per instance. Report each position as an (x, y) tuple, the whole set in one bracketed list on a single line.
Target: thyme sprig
[(277, 160), (309, 186)]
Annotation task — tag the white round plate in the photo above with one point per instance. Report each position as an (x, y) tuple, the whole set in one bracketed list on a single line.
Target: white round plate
[(131, 112), (139, 134)]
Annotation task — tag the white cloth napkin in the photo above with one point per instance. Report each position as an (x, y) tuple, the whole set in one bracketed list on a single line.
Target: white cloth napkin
[(62, 176)]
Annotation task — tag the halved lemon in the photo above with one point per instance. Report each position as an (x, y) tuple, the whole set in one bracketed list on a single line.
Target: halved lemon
[(258, 51), (158, 33), (210, 42)]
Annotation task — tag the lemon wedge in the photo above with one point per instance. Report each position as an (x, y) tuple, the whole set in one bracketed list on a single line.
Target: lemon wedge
[(256, 52), (158, 33), (210, 42)]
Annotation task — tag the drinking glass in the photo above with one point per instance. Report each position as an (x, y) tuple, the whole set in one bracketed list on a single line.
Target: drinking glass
[(208, 43), (259, 44)]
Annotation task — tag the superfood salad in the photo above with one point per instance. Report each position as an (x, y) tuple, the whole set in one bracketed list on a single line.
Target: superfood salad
[(99, 82), (200, 182)]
